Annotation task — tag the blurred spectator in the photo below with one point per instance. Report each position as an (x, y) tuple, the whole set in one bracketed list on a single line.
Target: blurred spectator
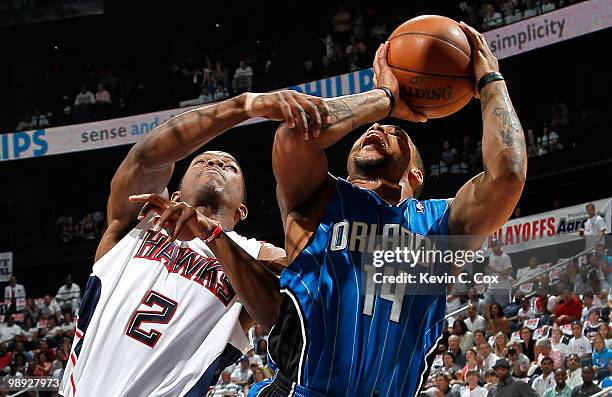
[(474, 321), (557, 341), (454, 346), (547, 5), (443, 387), (450, 367), (226, 387), (511, 13), (471, 364), (343, 25), (24, 123), (492, 18), (466, 337), (379, 31), (500, 345), (507, 386), (10, 330), (82, 104), (254, 358), (593, 226), (49, 307), (587, 388), (519, 363), (242, 373), (592, 324), (574, 372), (568, 308), (601, 354), (69, 295), (38, 120), (528, 343), (14, 296), (547, 379), (243, 78), (533, 149), (485, 357), (561, 389), (497, 320), (579, 344), (499, 265), (102, 95), (530, 9)]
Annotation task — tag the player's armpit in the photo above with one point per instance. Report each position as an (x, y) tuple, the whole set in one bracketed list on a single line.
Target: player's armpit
[(272, 258)]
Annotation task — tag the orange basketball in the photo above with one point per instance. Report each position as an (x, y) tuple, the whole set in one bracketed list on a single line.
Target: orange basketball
[(431, 57)]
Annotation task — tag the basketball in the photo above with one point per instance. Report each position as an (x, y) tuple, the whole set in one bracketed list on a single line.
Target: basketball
[(430, 56)]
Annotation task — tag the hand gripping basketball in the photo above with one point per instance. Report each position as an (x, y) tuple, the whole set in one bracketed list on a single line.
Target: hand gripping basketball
[(483, 58), (384, 77)]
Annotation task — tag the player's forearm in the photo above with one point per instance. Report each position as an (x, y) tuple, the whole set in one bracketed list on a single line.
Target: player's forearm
[(257, 288), (180, 136), (503, 143), (351, 112)]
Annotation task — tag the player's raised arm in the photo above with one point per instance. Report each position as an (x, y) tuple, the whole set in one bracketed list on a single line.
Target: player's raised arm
[(300, 165), (149, 164), (486, 202)]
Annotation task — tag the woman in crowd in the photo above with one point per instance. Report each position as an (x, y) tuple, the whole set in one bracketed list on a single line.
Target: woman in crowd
[(528, 343), (591, 326), (500, 346), (497, 321), (471, 363), (449, 365), (557, 342), (43, 367), (601, 354), (466, 337), (604, 331)]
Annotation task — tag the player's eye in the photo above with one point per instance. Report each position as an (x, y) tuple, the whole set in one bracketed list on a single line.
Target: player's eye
[(233, 168)]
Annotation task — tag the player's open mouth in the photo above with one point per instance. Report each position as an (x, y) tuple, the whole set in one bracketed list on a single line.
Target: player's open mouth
[(374, 138)]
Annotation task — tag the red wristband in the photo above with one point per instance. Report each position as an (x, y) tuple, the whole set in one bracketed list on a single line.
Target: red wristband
[(215, 233)]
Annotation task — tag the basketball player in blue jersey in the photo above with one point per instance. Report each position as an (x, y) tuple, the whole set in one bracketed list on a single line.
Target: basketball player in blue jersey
[(331, 338)]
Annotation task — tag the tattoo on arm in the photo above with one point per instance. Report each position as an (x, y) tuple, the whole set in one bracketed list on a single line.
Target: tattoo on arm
[(355, 110), (340, 110)]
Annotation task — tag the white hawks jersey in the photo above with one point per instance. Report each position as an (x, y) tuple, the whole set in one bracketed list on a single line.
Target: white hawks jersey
[(157, 318)]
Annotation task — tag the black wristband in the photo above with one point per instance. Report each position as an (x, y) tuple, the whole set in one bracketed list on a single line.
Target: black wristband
[(389, 94), (489, 78)]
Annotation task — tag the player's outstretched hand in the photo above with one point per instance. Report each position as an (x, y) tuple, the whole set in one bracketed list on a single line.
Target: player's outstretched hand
[(384, 77), (482, 56), (304, 113), (179, 219)]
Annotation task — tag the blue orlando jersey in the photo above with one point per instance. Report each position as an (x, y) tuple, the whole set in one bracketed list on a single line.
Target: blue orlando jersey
[(354, 338)]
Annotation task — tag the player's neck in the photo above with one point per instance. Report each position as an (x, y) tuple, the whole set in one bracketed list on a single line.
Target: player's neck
[(392, 193), (222, 215)]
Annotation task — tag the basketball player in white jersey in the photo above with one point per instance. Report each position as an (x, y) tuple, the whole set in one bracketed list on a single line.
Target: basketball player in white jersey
[(159, 316)]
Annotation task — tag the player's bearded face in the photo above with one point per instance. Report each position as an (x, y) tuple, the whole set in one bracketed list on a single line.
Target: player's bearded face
[(383, 150)]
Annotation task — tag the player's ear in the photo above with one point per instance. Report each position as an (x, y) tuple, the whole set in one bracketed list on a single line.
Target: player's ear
[(176, 196), (242, 212), (415, 178)]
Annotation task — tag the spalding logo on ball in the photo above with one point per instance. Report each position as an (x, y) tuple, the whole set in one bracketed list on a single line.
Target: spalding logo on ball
[(431, 58)]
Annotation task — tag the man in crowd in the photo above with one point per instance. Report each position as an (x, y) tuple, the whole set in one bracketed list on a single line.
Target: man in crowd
[(579, 344), (15, 296), (561, 389), (519, 362), (499, 265), (546, 380), (455, 348), (568, 308), (69, 295), (242, 373), (507, 386), (594, 227), (587, 388), (9, 331), (574, 372), (487, 359), (226, 387), (475, 321)]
